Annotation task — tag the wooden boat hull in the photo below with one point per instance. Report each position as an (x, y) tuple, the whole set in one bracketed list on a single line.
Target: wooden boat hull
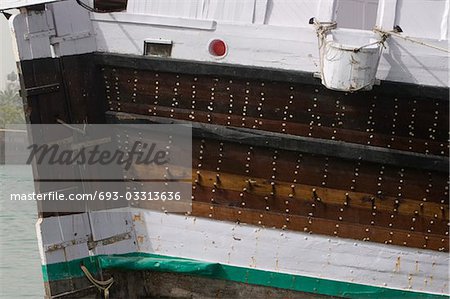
[(314, 185)]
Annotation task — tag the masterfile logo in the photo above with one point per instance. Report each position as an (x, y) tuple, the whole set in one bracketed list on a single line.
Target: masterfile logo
[(140, 153), (120, 164), (104, 152)]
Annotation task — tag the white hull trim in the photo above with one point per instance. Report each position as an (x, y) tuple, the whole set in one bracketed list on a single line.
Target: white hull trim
[(248, 246)]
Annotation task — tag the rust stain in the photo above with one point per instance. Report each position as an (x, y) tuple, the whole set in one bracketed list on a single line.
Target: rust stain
[(137, 217), (253, 264), (397, 265)]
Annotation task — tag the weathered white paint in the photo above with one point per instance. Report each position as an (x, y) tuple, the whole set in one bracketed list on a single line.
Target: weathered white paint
[(36, 35), (422, 18), (445, 32), (240, 11), (260, 12), (66, 238), (32, 33), (62, 230), (325, 10), (356, 14), (386, 14), (294, 13), (253, 247), (292, 252), (288, 48), (55, 230), (74, 31), (17, 26), (272, 12), (248, 45), (8, 4), (425, 19), (155, 20), (108, 224), (267, 40), (120, 247)]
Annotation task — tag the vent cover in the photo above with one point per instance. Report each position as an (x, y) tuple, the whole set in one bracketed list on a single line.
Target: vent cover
[(158, 47)]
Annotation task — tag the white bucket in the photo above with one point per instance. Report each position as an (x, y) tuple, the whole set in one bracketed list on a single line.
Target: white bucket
[(345, 64)]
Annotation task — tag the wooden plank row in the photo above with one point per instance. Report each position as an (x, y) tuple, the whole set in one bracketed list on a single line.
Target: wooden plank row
[(279, 192), (308, 168), (315, 208), (380, 181), (352, 111), (330, 133), (375, 119), (253, 187), (168, 65)]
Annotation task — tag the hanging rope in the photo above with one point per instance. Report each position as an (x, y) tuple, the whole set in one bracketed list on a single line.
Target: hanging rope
[(102, 286), (410, 39), (378, 42), (322, 29)]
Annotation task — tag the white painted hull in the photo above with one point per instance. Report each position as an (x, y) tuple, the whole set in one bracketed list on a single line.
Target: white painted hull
[(246, 246), (271, 40)]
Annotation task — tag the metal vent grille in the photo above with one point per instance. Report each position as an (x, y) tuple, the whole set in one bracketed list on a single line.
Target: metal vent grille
[(160, 48)]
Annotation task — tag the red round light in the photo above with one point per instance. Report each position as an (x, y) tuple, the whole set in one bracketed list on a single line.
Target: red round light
[(217, 47)]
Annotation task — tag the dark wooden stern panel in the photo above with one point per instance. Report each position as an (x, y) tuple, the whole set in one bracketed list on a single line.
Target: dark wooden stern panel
[(367, 165), (393, 201)]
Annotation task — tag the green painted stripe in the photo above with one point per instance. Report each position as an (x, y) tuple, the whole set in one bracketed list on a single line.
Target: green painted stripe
[(71, 269), (155, 262)]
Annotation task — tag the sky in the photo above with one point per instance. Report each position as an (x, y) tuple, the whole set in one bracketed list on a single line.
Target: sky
[(7, 62)]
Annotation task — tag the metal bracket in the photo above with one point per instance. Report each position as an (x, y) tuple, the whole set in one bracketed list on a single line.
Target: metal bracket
[(56, 39), (28, 36), (69, 37), (53, 247), (110, 240), (88, 241)]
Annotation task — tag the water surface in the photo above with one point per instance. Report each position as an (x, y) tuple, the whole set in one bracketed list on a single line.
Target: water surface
[(20, 266)]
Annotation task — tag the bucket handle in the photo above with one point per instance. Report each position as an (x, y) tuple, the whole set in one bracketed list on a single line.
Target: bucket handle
[(322, 28)]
